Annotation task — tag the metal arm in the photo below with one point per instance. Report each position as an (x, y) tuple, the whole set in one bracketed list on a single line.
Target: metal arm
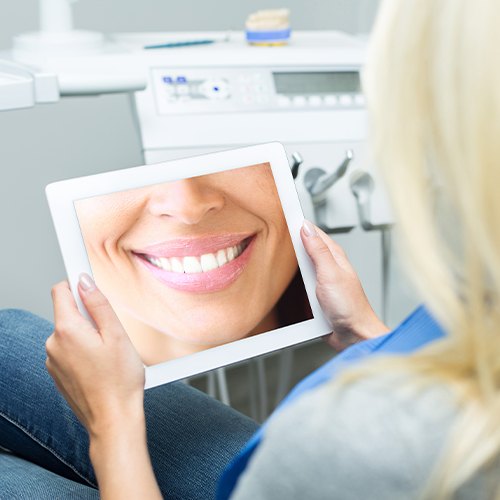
[(297, 162), (317, 182), (362, 186)]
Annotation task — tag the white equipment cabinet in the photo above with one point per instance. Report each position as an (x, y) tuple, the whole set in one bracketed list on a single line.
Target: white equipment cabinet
[(228, 94)]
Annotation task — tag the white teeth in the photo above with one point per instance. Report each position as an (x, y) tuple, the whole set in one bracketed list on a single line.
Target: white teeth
[(231, 253), (208, 262), (192, 265), (221, 257), (155, 261), (176, 264), (165, 264)]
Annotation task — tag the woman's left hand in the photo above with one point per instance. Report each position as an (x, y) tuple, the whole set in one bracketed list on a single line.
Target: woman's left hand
[(96, 368), (102, 377), (339, 291)]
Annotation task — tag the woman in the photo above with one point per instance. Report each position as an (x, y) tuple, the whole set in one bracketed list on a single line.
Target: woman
[(424, 425), (192, 437), (181, 261)]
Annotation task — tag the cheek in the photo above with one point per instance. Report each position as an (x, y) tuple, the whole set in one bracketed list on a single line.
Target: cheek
[(97, 231), (105, 220), (265, 205), (102, 233), (285, 262), (276, 222)]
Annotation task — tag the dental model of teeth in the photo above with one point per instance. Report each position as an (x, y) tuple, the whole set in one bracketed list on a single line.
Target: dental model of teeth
[(200, 264), (268, 27)]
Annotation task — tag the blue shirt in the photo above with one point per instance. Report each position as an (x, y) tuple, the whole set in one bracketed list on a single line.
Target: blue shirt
[(416, 331)]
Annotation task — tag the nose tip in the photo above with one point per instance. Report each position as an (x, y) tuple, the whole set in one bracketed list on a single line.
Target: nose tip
[(188, 200)]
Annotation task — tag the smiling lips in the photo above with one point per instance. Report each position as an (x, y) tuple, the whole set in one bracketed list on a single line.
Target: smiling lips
[(198, 264)]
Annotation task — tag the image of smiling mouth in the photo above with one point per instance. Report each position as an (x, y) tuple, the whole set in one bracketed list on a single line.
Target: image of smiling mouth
[(198, 265)]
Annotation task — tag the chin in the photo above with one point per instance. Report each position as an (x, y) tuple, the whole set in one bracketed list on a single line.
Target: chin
[(208, 340)]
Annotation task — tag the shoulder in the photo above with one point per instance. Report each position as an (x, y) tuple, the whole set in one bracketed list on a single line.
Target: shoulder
[(374, 438)]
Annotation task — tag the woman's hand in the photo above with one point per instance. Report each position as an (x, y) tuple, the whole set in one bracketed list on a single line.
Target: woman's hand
[(339, 291), (101, 376), (96, 368)]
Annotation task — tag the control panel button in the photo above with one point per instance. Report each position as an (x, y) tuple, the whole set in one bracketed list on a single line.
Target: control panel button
[(215, 89), (284, 101), (345, 100), (299, 101), (359, 99), (331, 100), (182, 90), (244, 79), (168, 80), (315, 100)]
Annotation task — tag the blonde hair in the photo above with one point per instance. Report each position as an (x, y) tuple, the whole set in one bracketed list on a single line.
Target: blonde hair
[(433, 89)]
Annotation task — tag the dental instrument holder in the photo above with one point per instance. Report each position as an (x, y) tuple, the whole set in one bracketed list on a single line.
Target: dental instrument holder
[(84, 62), (362, 186), (317, 182)]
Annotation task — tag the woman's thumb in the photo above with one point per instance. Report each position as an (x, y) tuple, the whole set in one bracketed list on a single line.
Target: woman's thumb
[(98, 306)]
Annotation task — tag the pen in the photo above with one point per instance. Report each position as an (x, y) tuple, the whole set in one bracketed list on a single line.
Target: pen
[(173, 45)]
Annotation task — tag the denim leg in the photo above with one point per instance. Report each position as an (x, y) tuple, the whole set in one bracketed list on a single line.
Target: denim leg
[(22, 480), (191, 437), (36, 423)]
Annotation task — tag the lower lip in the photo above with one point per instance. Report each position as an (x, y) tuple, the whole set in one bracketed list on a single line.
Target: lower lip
[(210, 281)]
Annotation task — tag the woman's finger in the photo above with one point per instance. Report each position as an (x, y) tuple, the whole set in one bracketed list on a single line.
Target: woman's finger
[(318, 251), (337, 251), (65, 308), (98, 307)]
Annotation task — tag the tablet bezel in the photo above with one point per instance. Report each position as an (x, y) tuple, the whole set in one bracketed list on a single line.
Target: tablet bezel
[(62, 195)]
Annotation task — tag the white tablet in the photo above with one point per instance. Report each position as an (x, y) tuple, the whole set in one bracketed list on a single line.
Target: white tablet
[(201, 258)]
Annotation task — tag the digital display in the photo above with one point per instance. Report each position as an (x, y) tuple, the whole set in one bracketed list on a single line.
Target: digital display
[(320, 82), (181, 261)]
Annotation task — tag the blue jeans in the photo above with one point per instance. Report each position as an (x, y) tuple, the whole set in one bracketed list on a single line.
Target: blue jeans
[(191, 437)]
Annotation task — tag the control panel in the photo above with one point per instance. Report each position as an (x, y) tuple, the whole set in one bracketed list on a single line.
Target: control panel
[(225, 90)]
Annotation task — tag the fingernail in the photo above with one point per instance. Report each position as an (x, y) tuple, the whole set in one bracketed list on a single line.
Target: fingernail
[(309, 229), (86, 282)]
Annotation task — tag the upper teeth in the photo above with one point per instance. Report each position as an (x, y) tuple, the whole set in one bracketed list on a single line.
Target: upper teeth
[(197, 264)]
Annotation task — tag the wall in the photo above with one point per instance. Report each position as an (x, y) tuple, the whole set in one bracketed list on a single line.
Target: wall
[(354, 16)]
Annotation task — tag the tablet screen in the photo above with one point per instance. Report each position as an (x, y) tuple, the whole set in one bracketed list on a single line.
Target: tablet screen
[(195, 263)]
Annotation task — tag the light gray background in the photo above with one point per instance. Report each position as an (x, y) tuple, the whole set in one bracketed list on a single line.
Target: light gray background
[(80, 136)]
